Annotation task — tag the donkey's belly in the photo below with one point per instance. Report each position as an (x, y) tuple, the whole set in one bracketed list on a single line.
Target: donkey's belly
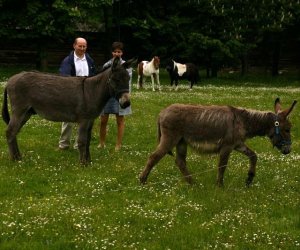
[(205, 147)]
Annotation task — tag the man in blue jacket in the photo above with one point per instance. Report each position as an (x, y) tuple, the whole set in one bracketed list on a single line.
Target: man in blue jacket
[(77, 63)]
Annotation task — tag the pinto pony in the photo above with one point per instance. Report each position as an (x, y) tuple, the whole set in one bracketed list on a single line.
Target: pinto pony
[(217, 129), (178, 71), (146, 68), (59, 98)]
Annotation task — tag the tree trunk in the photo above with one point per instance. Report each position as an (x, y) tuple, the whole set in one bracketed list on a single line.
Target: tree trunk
[(207, 71), (214, 71), (42, 56)]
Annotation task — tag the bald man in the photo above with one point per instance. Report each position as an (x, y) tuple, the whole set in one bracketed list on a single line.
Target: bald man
[(77, 63)]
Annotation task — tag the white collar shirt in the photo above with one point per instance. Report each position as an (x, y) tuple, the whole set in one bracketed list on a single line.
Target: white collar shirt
[(81, 66)]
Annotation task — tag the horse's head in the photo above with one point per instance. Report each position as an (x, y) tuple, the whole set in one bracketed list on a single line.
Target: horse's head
[(156, 62), (280, 133), (170, 66), (119, 81)]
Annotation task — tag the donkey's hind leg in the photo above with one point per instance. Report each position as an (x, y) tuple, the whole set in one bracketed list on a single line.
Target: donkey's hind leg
[(153, 159), (181, 152), (164, 147), (13, 128)]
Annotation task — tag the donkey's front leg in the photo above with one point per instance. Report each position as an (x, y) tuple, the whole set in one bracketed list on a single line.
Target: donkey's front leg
[(83, 143), (253, 159), (89, 136)]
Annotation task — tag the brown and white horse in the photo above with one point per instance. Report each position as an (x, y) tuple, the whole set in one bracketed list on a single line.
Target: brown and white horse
[(146, 68)]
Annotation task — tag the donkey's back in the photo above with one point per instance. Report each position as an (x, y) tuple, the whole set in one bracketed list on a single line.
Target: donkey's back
[(205, 128), (52, 96)]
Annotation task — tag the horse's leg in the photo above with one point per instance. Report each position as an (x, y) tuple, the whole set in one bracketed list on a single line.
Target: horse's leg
[(193, 80), (181, 152), (176, 83), (152, 80), (83, 141), (164, 147), (192, 83), (138, 82), (157, 80), (15, 124), (253, 159), (224, 156)]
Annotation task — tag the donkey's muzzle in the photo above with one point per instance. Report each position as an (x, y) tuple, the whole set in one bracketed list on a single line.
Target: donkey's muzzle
[(124, 100)]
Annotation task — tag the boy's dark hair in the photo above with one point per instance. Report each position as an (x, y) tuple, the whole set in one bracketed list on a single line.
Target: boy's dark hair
[(117, 45)]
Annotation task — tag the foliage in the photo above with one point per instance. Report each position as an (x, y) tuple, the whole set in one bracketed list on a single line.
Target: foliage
[(48, 18), (228, 31), (49, 201), (225, 31)]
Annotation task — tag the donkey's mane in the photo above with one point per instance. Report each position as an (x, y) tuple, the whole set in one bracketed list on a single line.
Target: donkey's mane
[(256, 122)]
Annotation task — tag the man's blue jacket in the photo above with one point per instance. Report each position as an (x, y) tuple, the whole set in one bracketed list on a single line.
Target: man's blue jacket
[(67, 67)]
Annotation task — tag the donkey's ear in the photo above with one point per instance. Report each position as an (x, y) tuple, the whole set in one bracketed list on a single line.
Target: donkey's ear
[(277, 105), (129, 63), (289, 110)]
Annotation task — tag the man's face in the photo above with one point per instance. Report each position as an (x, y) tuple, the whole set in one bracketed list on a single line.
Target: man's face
[(80, 47)]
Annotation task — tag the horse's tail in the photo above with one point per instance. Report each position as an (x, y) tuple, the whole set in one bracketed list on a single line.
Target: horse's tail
[(5, 113), (159, 136)]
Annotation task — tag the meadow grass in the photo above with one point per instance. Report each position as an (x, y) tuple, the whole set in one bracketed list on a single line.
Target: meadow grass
[(49, 201)]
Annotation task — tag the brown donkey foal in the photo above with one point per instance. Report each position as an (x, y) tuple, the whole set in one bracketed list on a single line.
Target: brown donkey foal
[(217, 129)]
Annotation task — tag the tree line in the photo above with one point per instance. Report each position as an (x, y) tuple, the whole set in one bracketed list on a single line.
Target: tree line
[(211, 33)]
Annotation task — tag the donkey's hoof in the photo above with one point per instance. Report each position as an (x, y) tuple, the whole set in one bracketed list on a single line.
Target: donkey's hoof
[(143, 180), (248, 182), (249, 179), (220, 184), (189, 180), (85, 162), (16, 157)]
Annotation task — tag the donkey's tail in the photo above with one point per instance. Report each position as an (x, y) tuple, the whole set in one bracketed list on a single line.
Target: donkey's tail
[(159, 135), (5, 113)]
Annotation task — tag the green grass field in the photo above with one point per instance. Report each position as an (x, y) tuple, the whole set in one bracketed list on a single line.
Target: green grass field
[(49, 201)]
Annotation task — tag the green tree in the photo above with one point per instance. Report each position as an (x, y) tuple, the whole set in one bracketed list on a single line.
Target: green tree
[(215, 33)]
